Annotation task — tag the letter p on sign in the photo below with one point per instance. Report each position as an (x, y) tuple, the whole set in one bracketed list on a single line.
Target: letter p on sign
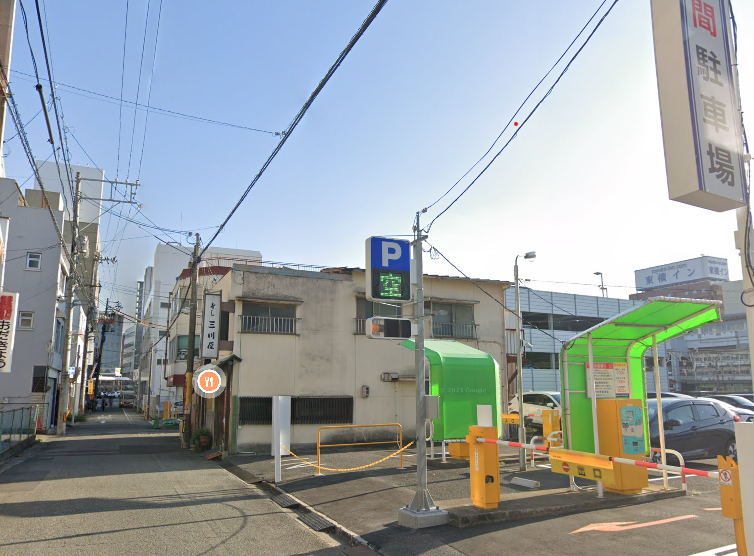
[(391, 251)]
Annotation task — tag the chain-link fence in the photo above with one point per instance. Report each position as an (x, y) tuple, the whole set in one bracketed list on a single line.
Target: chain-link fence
[(16, 425)]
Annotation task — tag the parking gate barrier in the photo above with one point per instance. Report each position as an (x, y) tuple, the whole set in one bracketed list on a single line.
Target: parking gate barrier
[(661, 467), (484, 467)]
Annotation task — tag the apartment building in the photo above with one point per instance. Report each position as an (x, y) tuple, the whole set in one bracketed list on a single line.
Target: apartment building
[(300, 331)]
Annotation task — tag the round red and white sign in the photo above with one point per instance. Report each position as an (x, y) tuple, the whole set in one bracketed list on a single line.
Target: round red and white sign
[(726, 478), (566, 467)]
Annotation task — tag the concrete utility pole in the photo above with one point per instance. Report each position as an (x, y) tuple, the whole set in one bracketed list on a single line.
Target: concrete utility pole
[(65, 381), (187, 388), (98, 366), (84, 376), (7, 17)]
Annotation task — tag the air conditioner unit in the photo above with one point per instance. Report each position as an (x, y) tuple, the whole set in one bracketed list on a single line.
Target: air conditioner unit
[(389, 377)]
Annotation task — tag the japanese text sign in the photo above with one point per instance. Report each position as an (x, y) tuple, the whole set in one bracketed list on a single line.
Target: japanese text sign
[(211, 325), (8, 310), (699, 103)]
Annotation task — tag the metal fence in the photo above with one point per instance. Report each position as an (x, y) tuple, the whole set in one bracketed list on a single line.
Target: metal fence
[(17, 425), (270, 325), (454, 330)]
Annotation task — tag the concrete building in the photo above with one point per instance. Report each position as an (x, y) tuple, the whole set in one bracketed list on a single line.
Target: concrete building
[(112, 349), (301, 332), (714, 358), (159, 281), (129, 341), (36, 268)]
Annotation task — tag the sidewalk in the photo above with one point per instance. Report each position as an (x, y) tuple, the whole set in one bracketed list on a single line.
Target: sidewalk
[(114, 483), (366, 502)]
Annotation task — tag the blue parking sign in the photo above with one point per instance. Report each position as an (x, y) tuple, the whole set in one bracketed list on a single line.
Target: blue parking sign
[(388, 273)]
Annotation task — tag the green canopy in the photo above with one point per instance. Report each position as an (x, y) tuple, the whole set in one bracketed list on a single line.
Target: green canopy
[(622, 339), (463, 377)]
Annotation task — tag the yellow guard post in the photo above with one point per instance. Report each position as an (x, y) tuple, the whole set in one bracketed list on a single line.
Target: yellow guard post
[(484, 462), (730, 496), (550, 424)]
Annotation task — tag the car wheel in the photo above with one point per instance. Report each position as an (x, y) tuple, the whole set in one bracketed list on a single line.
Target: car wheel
[(731, 451)]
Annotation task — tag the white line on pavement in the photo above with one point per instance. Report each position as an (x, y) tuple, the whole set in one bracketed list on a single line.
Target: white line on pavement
[(729, 550)]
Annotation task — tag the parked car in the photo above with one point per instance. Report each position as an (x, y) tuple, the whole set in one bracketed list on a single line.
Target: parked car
[(749, 397), (745, 415), (698, 428), (734, 400), (178, 407), (653, 395), (125, 402), (534, 403)]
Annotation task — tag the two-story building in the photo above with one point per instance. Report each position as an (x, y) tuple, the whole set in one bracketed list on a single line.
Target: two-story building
[(301, 332)]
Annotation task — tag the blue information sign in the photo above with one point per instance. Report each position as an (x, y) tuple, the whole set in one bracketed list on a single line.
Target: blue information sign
[(388, 273)]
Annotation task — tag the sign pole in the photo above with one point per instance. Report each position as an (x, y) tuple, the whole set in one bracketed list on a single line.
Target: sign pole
[(422, 511)]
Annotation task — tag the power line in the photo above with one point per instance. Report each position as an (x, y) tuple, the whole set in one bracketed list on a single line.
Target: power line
[(138, 90), (122, 83), (435, 250), (523, 123), (149, 92), (285, 134), (152, 109)]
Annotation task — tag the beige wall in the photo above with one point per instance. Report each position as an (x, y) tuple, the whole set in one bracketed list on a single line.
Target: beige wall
[(326, 357)]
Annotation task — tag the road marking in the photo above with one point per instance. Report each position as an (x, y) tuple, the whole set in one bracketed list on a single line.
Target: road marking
[(128, 417), (712, 509), (729, 550), (628, 525)]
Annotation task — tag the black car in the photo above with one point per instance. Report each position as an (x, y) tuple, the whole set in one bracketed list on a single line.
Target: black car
[(734, 400), (749, 397), (697, 428), (651, 395)]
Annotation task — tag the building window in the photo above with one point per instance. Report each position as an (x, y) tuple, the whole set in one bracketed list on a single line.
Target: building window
[(33, 261), (536, 320), (39, 380), (367, 309), (259, 318), (59, 333), (538, 360), (573, 323), (453, 320), (305, 410), (164, 305), (181, 346), (26, 320)]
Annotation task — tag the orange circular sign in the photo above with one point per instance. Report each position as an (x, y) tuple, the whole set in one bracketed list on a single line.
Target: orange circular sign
[(208, 381)]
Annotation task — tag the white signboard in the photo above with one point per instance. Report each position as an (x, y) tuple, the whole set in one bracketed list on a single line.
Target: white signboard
[(8, 311), (610, 380), (692, 270), (699, 103), (211, 325)]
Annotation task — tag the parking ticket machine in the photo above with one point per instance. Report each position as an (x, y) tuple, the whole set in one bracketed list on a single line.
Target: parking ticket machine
[(621, 433)]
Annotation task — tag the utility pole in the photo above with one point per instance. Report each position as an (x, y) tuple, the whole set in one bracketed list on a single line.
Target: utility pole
[(84, 375), (95, 373), (65, 380), (187, 388)]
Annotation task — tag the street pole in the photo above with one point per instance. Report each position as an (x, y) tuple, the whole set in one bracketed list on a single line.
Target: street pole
[(65, 380), (603, 289), (98, 366), (519, 370), (84, 381), (187, 388), (422, 512)]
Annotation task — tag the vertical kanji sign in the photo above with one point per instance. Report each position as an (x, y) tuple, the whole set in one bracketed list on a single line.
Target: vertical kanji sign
[(699, 103), (211, 325), (8, 310)]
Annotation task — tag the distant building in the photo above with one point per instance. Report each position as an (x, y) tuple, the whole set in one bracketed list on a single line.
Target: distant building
[(112, 349), (714, 358)]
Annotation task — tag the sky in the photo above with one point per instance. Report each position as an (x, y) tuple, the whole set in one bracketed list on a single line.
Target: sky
[(420, 98)]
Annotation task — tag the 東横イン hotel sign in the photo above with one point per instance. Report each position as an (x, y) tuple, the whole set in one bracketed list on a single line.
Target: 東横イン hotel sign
[(699, 103)]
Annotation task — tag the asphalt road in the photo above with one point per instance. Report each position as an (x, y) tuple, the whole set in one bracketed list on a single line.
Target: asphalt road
[(114, 485)]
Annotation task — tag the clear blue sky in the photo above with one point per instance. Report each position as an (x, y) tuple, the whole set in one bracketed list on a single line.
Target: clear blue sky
[(419, 99)]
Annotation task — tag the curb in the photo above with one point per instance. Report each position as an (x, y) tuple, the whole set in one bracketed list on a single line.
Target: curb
[(466, 516), (289, 501)]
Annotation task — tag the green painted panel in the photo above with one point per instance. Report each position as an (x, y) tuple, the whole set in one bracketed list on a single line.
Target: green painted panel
[(463, 377)]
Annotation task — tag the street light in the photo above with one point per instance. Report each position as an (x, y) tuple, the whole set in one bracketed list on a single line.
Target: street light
[(602, 284), (521, 428)]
